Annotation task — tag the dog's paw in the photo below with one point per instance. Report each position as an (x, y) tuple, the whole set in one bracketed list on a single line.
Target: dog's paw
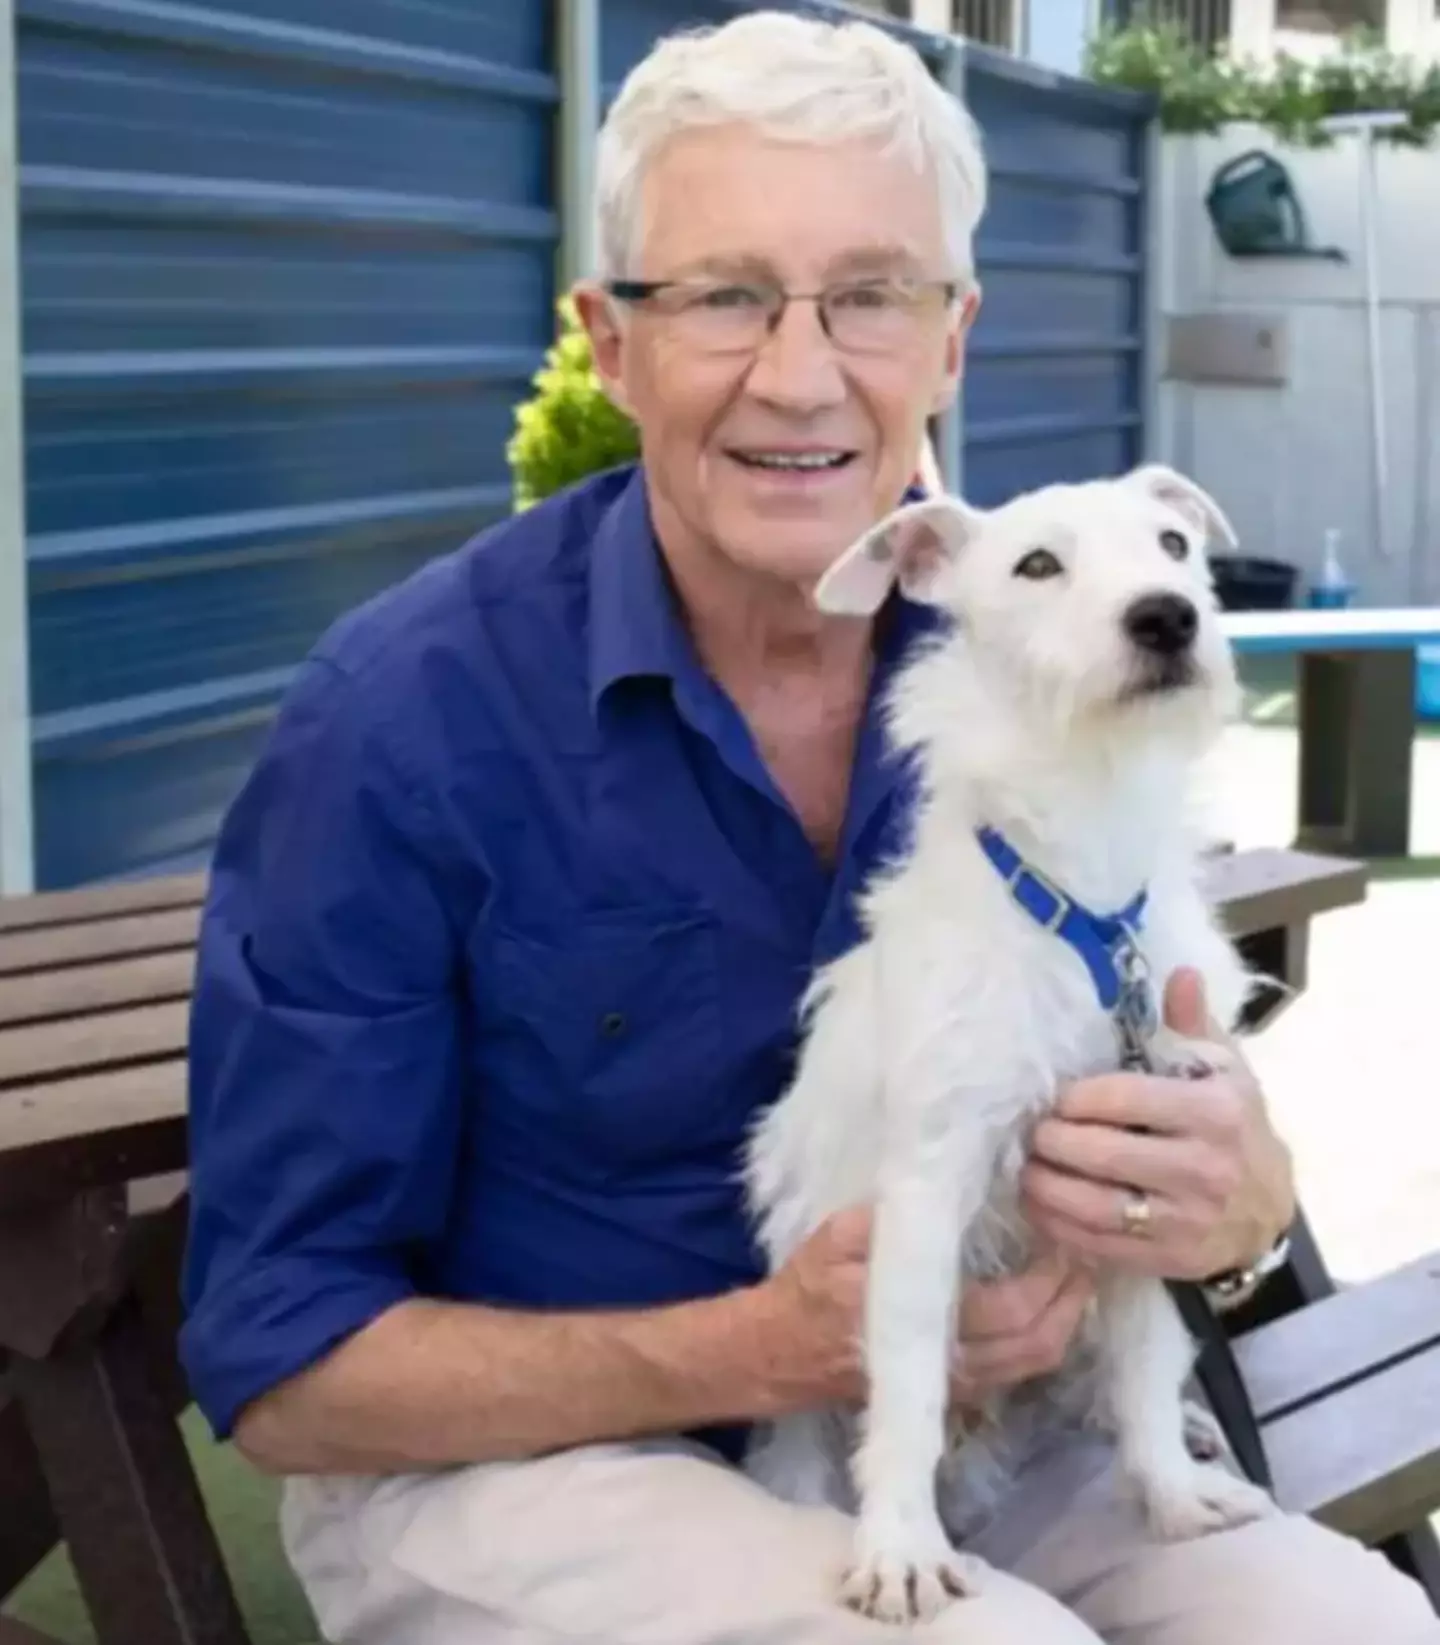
[(1187, 1059), (1205, 1500), (1204, 1437), (905, 1585)]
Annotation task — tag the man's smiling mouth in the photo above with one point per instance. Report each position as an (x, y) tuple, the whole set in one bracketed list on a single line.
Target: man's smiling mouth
[(815, 461)]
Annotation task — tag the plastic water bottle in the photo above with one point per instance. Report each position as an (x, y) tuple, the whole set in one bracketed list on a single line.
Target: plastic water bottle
[(1332, 590)]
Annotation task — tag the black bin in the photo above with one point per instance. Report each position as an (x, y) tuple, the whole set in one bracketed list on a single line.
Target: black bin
[(1245, 582)]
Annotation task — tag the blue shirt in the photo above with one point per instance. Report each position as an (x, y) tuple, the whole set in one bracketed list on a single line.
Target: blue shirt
[(501, 956)]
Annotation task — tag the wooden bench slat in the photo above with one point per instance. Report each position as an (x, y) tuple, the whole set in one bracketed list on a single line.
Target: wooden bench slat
[(41, 996), (1299, 1359), (1364, 1460), (1259, 887), (36, 1116), (1272, 886), (115, 1127), (102, 901), (88, 941), (43, 1051)]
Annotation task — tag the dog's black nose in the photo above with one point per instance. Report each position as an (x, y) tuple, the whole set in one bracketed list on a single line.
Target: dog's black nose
[(1163, 623)]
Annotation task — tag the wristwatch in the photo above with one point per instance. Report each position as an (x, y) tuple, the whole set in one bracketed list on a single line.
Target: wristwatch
[(1236, 1285)]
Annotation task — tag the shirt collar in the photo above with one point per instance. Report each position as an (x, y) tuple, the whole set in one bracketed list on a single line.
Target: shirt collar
[(635, 624), (636, 629)]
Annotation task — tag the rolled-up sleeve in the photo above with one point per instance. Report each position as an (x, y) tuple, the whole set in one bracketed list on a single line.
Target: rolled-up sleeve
[(324, 1051)]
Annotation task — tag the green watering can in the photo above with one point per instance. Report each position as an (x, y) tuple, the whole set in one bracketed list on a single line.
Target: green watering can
[(1256, 211)]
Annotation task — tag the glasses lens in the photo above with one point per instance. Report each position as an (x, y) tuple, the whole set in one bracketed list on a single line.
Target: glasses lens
[(720, 319), (881, 316)]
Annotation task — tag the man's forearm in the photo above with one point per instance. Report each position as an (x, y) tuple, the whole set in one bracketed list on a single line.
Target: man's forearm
[(431, 1384)]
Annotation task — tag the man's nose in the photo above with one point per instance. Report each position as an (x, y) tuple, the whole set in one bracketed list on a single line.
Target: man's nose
[(797, 365)]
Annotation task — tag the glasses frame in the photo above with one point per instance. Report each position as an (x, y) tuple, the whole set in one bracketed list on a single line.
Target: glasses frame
[(641, 291)]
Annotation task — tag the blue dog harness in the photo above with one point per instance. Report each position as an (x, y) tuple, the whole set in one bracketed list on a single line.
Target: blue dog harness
[(1107, 943)]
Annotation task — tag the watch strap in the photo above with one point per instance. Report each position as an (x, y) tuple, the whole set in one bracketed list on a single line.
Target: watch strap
[(1235, 1285)]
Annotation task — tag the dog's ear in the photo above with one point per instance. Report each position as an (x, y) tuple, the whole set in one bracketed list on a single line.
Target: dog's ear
[(914, 546), (1188, 499)]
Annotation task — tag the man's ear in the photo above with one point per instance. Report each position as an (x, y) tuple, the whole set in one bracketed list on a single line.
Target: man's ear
[(927, 470), (914, 546), (596, 314), (1195, 505), (956, 338)]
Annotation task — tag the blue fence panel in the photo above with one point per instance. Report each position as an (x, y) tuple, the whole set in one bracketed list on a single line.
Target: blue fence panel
[(282, 288), (628, 28), (1054, 386)]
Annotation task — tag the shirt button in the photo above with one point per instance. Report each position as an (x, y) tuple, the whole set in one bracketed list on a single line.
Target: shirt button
[(612, 1025)]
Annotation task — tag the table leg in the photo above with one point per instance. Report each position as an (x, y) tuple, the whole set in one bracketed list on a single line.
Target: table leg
[(99, 1407), (27, 1529), (154, 1241), (17, 1633), (1356, 714), (125, 1494)]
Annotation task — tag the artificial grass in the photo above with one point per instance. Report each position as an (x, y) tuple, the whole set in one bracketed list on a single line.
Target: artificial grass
[(242, 1508)]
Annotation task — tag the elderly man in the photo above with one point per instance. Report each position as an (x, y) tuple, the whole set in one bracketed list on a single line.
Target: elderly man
[(505, 939)]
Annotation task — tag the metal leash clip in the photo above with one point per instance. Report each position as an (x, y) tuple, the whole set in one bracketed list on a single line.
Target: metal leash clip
[(1135, 1015)]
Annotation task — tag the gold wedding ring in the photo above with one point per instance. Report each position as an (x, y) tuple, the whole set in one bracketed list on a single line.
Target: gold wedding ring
[(1135, 1211)]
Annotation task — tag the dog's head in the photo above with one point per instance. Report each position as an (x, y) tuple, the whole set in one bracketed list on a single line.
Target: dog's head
[(1080, 603)]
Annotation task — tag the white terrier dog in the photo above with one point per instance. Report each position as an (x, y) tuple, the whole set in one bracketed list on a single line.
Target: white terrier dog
[(1054, 728)]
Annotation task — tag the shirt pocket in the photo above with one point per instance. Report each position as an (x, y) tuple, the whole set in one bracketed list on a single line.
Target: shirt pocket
[(613, 1025)]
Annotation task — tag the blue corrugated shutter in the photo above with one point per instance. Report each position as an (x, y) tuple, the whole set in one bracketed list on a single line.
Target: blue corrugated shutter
[(282, 287), (1054, 386)]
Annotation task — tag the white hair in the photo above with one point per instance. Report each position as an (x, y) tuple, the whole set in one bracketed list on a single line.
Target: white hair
[(795, 79)]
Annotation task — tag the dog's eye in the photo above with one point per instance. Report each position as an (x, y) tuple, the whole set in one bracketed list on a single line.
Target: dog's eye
[(1174, 544), (1038, 564)]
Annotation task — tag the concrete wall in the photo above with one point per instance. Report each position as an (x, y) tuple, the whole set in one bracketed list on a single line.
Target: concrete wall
[(1289, 461)]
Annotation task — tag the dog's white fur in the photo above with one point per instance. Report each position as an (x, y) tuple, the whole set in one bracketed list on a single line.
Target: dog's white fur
[(932, 1047)]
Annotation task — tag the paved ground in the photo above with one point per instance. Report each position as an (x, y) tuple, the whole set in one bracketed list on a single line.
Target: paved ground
[(1349, 1068)]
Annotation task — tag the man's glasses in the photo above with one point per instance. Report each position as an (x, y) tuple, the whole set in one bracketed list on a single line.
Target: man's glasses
[(876, 316)]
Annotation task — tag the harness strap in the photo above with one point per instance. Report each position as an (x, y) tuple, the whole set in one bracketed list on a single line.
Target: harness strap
[(1107, 944)]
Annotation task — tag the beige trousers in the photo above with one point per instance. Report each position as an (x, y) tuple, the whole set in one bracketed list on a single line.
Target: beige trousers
[(662, 1544)]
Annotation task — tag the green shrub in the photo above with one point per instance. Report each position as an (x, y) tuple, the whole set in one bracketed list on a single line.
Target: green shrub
[(568, 428), (1200, 91)]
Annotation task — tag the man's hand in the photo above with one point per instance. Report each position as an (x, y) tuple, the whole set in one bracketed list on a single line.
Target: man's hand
[(1010, 1330), (1217, 1177), (1015, 1329)]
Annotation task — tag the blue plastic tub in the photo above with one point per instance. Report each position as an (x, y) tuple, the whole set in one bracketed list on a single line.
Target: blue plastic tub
[(1427, 682)]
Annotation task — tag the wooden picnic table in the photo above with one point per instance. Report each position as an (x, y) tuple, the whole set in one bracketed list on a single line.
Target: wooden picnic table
[(94, 1003), (1356, 674)]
